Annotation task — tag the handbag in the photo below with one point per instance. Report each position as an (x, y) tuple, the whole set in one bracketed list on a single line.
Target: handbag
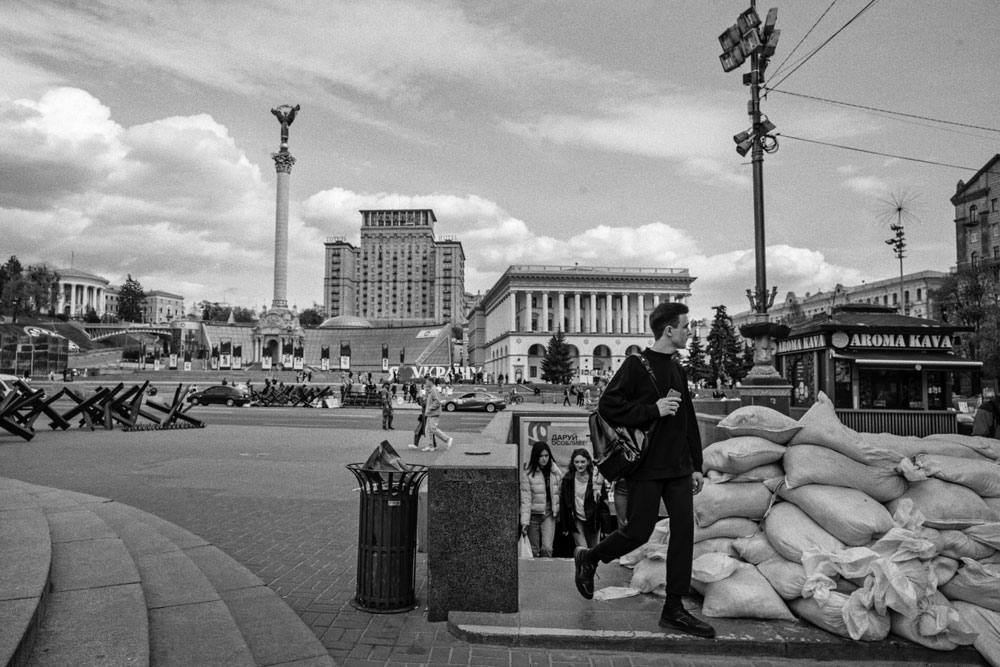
[(618, 450), (524, 548)]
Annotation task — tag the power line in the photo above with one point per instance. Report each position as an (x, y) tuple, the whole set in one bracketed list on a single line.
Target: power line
[(777, 70), (871, 152), (827, 41), (885, 111)]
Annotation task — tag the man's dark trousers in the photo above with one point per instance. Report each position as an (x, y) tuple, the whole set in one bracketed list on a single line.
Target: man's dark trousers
[(643, 511)]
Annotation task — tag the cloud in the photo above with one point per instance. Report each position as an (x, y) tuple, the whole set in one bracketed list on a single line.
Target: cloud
[(867, 185)]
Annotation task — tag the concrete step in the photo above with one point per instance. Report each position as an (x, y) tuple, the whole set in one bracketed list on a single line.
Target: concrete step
[(130, 588), (274, 634), (97, 612), (25, 559)]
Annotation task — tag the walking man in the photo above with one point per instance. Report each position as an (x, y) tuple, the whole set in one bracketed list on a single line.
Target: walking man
[(670, 469), (432, 411), (386, 399)]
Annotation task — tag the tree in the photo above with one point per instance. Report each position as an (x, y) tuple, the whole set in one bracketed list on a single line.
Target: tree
[(28, 291), (723, 347), (557, 364), (131, 298), (311, 317), (970, 297), (91, 316), (696, 364)]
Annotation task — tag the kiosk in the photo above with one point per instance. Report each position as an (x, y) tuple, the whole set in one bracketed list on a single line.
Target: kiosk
[(879, 365)]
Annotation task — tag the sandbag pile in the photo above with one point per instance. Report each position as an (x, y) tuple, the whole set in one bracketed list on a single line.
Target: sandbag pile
[(860, 534)]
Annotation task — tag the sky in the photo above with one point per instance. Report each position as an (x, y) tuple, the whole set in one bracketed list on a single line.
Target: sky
[(135, 136)]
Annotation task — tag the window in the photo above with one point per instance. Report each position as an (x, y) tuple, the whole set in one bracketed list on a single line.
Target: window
[(973, 236), (918, 294), (974, 259), (993, 204)]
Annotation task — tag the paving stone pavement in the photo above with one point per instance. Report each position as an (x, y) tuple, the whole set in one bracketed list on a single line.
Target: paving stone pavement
[(280, 501)]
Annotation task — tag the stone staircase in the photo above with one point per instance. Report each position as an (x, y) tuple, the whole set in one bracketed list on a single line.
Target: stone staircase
[(86, 581)]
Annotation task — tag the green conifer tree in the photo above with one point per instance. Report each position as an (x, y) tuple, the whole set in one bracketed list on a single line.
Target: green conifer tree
[(723, 347), (557, 364)]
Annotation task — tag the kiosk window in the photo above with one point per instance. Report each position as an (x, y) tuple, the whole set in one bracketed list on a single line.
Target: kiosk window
[(842, 391), (891, 390), (935, 390)]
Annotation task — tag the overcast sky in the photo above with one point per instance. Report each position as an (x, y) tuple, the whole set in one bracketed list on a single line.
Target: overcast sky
[(135, 136)]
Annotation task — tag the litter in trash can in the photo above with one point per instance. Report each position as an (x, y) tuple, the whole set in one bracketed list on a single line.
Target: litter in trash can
[(387, 531)]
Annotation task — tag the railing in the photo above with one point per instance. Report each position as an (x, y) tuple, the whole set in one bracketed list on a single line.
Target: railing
[(599, 269), (900, 422)]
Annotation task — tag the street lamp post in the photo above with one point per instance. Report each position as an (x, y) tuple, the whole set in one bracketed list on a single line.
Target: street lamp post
[(749, 38), (898, 243)]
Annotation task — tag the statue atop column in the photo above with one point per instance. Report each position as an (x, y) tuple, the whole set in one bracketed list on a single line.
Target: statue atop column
[(285, 115)]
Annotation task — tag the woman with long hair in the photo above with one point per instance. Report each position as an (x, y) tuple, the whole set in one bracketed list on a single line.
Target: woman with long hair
[(540, 499), (581, 493)]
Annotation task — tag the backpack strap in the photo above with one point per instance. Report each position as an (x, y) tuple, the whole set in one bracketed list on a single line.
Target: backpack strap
[(649, 369)]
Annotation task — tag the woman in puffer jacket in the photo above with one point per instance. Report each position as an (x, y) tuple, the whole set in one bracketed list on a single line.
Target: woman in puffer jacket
[(540, 481)]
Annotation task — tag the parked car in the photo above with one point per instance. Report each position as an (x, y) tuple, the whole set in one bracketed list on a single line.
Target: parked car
[(220, 394), (475, 400)]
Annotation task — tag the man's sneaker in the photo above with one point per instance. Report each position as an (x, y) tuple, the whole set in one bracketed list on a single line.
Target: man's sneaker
[(413, 447), (584, 573), (447, 445), (428, 449), (680, 619)]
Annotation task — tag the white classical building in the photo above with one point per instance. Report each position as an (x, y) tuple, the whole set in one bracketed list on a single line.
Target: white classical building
[(79, 290), (602, 311)]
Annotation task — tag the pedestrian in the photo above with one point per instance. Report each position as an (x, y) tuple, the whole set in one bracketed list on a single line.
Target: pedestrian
[(566, 396), (987, 418), (432, 411), (579, 396), (670, 469), (540, 481), (421, 429), (582, 492), (386, 399)]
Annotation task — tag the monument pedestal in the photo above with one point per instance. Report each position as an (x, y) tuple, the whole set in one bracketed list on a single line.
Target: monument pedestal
[(775, 394)]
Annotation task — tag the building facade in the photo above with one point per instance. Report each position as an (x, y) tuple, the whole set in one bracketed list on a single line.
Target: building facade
[(400, 273), (917, 298), (162, 306), (80, 291), (603, 313), (977, 221)]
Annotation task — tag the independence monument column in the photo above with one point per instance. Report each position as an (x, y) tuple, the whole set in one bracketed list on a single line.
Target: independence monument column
[(283, 162), (278, 335)]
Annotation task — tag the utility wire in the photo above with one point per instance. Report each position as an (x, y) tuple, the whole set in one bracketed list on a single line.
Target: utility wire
[(777, 70), (871, 152), (827, 41), (885, 111)]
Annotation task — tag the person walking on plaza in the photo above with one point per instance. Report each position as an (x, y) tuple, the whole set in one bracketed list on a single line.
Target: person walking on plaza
[(386, 399), (670, 469), (432, 412), (540, 482), (987, 418), (581, 493), (566, 396)]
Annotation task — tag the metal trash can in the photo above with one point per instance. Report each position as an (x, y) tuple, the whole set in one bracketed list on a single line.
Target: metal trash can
[(387, 538)]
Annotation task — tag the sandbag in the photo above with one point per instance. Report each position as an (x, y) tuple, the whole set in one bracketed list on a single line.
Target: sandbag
[(936, 625), (758, 474), (987, 624), (722, 545), (785, 577), (945, 505), (790, 531), (986, 446), (975, 583), (754, 549), (851, 516), (740, 454), (957, 544), (831, 617), (973, 474), (719, 501), (759, 421), (812, 464), (821, 426), (728, 527), (944, 569), (737, 590), (889, 449), (649, 575)]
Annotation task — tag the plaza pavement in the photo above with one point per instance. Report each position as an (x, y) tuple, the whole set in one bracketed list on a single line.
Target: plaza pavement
[(280, 502)]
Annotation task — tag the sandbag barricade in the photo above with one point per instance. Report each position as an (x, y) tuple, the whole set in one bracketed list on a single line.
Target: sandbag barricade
[(864, 535), (291, 396)]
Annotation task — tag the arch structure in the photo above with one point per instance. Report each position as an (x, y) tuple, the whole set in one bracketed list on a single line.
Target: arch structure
[(603, 312)]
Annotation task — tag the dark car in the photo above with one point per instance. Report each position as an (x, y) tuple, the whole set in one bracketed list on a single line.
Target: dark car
[(222, 394), (474, 400)]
